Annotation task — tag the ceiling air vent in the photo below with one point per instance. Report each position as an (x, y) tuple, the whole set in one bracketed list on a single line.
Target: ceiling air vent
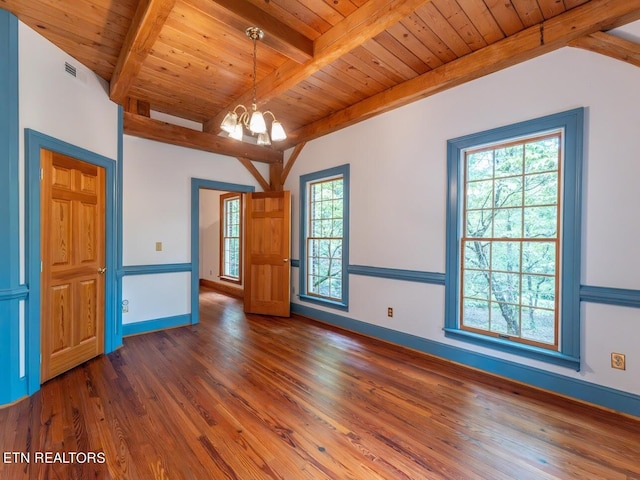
[(70, 69)]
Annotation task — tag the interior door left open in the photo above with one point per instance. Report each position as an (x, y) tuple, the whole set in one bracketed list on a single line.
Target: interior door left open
[(267, 288)]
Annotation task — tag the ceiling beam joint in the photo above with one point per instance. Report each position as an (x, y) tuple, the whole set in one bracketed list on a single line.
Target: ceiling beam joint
[(145, 28)]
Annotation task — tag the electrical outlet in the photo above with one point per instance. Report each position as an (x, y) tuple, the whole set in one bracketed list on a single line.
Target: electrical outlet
[(618, 361), (125, 306), (158, 246), (389, 312)]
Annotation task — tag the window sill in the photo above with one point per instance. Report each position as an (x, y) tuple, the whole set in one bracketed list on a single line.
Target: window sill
[(528, 351), (230, 280), (326, 303)]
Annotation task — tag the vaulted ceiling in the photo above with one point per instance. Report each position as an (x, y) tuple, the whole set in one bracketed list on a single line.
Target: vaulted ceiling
[(322, 64)]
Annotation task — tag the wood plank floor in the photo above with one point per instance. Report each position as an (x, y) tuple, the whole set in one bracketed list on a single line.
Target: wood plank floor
[(250, 397)]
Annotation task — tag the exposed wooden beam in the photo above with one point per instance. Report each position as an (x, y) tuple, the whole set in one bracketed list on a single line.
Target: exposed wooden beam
[(151, 129), (275, 177), (611, 46), (365, 23), (133, 105), (143, 33), (248, 164), (552, 34), (241, 14), (291, 161)]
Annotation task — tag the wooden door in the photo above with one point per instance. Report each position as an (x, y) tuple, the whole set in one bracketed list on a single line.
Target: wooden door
[(267, 271), (73, 262)]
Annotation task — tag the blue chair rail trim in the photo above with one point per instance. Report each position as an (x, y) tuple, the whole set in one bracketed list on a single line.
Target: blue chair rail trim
[(398, 274), (154, 269), (19, 293), (610, 296), (153, 325), (574, 388)]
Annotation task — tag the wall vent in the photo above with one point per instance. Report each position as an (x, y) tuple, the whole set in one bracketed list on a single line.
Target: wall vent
[(70, 69)]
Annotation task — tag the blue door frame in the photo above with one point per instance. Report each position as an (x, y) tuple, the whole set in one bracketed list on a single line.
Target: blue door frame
[(34, 142)]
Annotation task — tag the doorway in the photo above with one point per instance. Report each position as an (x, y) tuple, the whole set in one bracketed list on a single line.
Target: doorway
[(35, 142), (198, 184), (72, 237)]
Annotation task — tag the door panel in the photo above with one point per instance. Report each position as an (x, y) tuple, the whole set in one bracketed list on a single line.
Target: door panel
[(267, 250), (73, 256)]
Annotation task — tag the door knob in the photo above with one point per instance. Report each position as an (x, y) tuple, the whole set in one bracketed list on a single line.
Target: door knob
[(102, 270), (285, 259)]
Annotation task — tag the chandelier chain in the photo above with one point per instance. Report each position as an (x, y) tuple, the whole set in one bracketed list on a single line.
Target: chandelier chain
[(252, 120), (255, 51)]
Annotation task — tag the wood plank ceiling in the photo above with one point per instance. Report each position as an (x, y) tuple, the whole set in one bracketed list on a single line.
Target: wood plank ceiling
[(322, 65)]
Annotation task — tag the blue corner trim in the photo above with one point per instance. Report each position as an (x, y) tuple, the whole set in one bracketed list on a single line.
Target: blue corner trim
[(155, 269), (610, 296), (12, 385), (19, 293), (196, 185), (34, 142), (9, 156), (585, 391), (117, 335), (147, 326), (398, 274)]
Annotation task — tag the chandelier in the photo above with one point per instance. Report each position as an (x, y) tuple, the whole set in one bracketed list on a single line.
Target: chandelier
[(252, 120)]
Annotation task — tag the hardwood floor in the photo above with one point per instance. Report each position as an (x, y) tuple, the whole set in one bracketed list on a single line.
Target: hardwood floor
[(250, 397)]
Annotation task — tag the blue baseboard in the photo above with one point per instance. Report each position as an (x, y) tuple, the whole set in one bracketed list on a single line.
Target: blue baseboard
[(147, 326), (585, 391)]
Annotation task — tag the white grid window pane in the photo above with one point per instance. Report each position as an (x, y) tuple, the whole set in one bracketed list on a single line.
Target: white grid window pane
[(509, 275), (325, 239)]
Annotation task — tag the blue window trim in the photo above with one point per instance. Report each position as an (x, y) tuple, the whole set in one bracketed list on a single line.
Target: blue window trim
[(571, 122), (343, 171)]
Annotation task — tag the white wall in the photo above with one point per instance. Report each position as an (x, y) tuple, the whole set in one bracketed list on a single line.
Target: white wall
[(157, 208), (210, 234), (398, 197)]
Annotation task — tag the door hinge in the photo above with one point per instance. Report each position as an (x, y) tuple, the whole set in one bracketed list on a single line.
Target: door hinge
[(40, 267), (41, 173)]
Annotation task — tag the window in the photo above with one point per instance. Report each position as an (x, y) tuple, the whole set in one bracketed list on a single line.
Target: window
[(514, 238), (231, 237), (509, 245), (324, 243)]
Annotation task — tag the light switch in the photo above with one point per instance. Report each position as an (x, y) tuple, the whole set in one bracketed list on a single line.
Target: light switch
[(158, 246)]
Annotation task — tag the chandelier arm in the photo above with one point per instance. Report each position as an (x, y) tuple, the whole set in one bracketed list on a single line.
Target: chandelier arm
[(270, 113), (244, 117), (235, 110), (253, 120)]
